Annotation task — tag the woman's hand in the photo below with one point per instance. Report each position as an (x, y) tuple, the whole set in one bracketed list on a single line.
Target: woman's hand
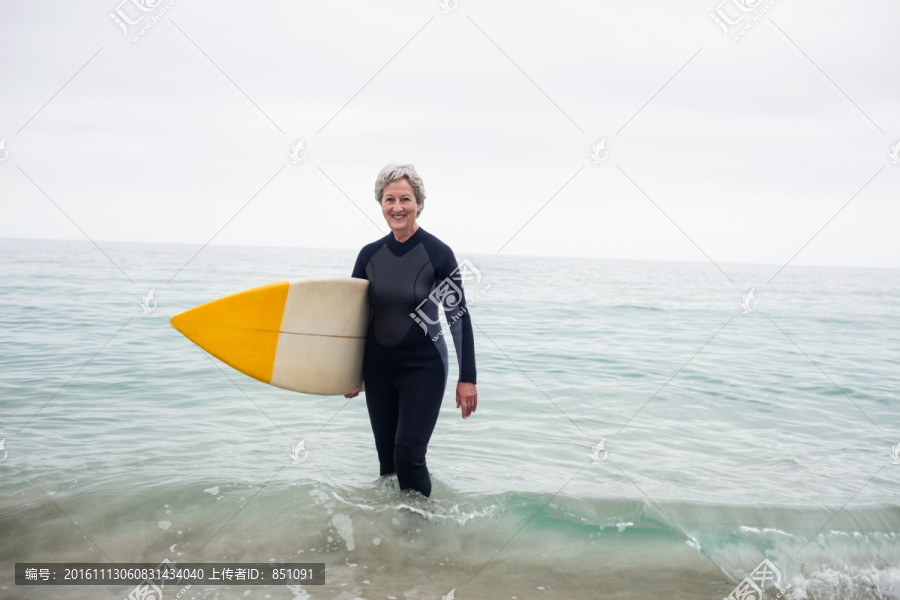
[(352, 394), (466, 398)]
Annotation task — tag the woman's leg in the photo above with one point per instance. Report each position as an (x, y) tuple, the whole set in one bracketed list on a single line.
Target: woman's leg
[(382, 401), (421, 393)]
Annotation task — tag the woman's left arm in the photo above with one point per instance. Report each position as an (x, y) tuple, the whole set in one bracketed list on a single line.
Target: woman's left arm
[(463, 341)]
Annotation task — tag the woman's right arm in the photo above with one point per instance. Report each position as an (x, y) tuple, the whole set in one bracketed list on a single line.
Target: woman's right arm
[(359, 272), (359, 269)]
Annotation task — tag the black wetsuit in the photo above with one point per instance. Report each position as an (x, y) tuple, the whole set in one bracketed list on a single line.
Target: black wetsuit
[(405, 366)]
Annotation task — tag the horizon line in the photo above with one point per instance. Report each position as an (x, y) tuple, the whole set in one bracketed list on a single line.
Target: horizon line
[(553, 256)]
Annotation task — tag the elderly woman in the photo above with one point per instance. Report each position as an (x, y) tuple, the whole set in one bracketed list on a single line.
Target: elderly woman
[(405, 367)]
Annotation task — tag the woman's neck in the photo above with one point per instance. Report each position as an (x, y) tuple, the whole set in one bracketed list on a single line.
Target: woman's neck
[(405, 235)]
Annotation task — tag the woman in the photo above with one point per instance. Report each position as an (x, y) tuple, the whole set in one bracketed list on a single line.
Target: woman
[(405, 366)]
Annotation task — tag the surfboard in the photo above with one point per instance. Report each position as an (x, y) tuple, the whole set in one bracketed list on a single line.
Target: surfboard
[(305, 335)]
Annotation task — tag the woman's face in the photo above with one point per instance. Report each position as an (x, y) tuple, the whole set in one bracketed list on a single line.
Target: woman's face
[(398, 204)]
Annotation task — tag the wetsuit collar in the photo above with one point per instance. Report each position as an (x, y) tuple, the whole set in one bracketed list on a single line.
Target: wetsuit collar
[(401, 248)]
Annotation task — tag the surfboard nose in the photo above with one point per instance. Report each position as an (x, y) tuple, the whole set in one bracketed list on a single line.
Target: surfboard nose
[(241, 330), (305, 335)]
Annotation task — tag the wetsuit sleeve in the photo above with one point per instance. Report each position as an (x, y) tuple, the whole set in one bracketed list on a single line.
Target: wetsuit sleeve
[(359, 272), (459, 319), (359, 269)]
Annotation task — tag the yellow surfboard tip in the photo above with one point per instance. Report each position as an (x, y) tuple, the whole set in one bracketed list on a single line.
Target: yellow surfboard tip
[(241, 330)]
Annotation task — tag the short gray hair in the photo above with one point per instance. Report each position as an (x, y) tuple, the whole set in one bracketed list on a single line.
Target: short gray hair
[(393, 172)]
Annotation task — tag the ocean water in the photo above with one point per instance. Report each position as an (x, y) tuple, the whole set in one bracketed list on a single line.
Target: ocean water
[(729, 436)]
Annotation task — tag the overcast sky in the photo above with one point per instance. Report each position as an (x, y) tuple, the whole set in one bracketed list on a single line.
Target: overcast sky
[(739, 151)]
